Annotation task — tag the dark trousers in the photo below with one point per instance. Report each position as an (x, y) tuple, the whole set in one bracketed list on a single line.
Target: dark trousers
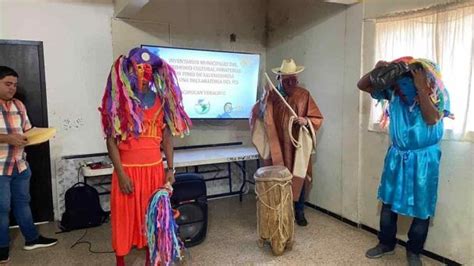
[(388, 230), (299, 205)]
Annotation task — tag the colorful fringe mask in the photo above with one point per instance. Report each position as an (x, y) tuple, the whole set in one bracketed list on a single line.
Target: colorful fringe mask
[(439, 94), (121, 110), (164, 245)]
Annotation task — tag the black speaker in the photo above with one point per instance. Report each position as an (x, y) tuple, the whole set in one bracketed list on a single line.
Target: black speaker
[(189, 198)]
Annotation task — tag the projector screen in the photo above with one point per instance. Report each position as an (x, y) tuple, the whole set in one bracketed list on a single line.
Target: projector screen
[(215, 84)]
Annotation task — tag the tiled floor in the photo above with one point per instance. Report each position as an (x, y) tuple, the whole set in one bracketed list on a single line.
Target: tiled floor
[(231, 239)]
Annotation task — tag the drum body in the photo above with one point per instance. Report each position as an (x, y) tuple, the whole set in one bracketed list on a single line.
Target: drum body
[(275, 213)]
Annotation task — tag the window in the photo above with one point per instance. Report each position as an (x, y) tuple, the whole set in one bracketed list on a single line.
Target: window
[(445, 36)]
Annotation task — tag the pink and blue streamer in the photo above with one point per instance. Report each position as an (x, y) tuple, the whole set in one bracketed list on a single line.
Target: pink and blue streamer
[(164, 245)]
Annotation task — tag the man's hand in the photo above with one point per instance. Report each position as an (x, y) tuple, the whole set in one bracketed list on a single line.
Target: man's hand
[(429, 111), (302, 121), (17, 140), (267, 87), (169, 186), (420, 80), (170, 176), (126, 185)]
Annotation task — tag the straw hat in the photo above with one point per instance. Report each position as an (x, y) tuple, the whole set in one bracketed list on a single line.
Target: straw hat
[(288, 67)]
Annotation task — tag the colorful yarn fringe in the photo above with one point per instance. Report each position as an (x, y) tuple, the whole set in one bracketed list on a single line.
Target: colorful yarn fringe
[(168, 89), (121, 111), (161, 229), (439, 94)]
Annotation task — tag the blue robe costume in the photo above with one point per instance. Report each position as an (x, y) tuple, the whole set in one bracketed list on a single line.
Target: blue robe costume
[(411, 169)]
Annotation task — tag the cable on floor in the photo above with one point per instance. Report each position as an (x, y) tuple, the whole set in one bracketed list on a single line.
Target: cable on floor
[(79, 241)]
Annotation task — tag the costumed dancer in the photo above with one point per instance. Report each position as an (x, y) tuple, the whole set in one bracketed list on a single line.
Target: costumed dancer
[(417, 103), (282, 129), (141, 111)]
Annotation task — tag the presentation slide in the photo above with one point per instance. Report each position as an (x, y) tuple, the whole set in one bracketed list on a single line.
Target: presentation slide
[(215, 84)]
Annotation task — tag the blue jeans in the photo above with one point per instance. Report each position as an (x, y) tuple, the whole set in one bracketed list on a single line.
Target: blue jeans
[(388, 230), (299, 205), (15, 192)]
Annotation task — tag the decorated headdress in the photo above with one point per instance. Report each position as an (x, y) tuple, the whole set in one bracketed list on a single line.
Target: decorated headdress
[(121, 112), (439, 94)]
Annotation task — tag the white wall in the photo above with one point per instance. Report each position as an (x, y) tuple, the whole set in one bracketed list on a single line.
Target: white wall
[(206, 25), (451, 233), (315, 36), (77, 43)]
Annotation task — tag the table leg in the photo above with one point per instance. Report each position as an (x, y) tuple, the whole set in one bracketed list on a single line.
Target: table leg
[(229, 170), (244, 179)]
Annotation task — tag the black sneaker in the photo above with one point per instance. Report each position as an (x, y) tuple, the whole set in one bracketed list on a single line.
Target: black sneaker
[(41, 242), (300, 219), (379, 251), (4, 255), (413, 259)]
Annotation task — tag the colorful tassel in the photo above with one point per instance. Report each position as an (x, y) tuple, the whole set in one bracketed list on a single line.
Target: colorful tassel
[(164, 245), (168, 89)]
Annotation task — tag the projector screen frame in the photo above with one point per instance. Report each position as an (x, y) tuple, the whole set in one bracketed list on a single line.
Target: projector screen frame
[(145, 46)]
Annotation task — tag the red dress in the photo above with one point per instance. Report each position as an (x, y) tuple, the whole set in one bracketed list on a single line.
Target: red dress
[(142, 162)]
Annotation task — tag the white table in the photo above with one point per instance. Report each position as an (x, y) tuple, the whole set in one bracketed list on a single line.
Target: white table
[(237, 155), (213, 155), (195, 157)]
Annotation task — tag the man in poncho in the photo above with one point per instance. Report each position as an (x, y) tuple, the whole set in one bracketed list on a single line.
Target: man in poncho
[(283, 128)]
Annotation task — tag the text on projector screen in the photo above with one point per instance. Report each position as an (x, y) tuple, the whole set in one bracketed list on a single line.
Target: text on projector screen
[(214, 84)]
